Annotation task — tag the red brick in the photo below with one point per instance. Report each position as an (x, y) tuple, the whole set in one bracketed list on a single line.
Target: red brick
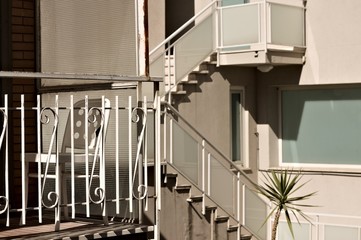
[(17, 20), (28, 37), (17, 4), (23, 64), (18, 55), (23, 12), (23, 46), (17, 37), (28, 5), (28, 21), (22, 29), (29, 55)]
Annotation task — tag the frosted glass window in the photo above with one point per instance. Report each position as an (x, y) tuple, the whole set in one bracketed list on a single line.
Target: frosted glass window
[(338, 232), (321, 126), (301, 231)]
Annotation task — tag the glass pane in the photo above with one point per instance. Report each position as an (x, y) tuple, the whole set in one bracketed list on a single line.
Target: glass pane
[(236, 126), (338, 232), (185, 153), (193, 47), (287, 25), (256, 214), (222, 191), (321, 126), (240, 25), (301, 231), (233, 2)]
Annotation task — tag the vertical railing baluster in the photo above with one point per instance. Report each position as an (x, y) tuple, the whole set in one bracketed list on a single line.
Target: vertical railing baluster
[(87, 192), (203, 178), (130, 154), (238, 205), (57, 171), (209, 175), (117, 187), (146, 155), (23, 177), (7, 194), (72, 146), (102, 164), (170, 140), (39, 140)]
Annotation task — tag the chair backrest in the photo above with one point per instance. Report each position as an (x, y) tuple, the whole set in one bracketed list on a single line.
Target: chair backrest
[(94, 122)]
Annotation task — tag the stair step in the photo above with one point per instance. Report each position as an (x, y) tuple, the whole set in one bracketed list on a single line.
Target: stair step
[(221, 219), (179, 92), (201, 72), (246, 237), (232, 228), (190, 82), (182, 187), (195, 199), (172, 175), (211, 208)]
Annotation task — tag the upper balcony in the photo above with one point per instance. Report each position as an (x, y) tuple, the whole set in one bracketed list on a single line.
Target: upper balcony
[(261, 32)]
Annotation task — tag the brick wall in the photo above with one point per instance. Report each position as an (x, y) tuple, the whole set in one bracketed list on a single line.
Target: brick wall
[(23, 59)]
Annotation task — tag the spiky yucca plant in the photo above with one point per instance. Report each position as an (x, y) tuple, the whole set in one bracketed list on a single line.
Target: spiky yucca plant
[(278, 188)]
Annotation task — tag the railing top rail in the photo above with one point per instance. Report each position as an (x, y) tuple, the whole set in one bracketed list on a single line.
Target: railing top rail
[(184, 26), (80, 76), (173, 110)]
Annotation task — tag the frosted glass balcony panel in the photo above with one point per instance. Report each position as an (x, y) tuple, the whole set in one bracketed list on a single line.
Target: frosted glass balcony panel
[(233, 2), (157, 67), (222, 185), (256, 214), (185, 153), (338, 232), (301, 231), (240, 25), (287, 25), (193, 48)]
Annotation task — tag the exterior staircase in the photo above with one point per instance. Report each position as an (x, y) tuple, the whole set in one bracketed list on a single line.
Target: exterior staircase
[(186, 202)]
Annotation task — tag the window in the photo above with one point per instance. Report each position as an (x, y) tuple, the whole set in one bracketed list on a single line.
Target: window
[(321, 126), (237, 124)]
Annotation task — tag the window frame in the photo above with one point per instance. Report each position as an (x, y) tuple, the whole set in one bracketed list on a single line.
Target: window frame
[(244, 127)]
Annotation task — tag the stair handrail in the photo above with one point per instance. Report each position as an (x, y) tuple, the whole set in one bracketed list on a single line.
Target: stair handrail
[(180, 29), (232, 164)]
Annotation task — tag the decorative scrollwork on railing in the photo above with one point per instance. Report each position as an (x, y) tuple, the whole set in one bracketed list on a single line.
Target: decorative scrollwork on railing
[(3, 132), (142, 188), (6, 205), (99, 192), (52, 196)]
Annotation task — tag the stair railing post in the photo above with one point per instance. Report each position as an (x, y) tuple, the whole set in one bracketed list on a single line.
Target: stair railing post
[(157, 166), (203, 178)]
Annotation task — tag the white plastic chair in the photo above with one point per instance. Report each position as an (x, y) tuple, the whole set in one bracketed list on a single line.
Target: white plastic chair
[(96, 125)]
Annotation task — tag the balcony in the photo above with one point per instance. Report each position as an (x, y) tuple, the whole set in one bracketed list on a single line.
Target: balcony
[(74, 166), (259, 34), (264, 32)]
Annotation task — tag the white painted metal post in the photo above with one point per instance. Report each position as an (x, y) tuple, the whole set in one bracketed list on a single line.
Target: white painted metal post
[(170, 140), (238, 205), (38, 113), (87, 192), (130, 164), (157, 168), (23, 177), (72, 156), (203, 178), (117, 192), (146, 155), (7, 195), (57, 171), (102, 164)]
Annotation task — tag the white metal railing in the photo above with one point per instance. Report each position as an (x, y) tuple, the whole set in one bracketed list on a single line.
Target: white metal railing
[(322, 227), (201, 163), (245, 27), (89, 153)]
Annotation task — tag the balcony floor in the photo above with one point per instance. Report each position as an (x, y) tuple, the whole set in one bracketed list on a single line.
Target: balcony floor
[(74, 229)]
